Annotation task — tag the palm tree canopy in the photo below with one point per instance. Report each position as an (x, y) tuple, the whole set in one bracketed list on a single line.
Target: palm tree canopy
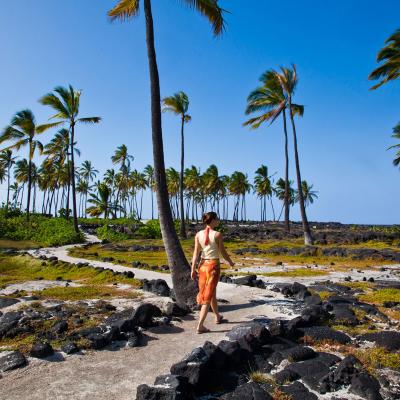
[(122, 157), (396, 135), (66, 101), (309, 194), (128, 9), (177, 104), (269, 99), (262, 182), (389, 56)]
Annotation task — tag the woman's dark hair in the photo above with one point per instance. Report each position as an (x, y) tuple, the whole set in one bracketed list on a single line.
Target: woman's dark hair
[(208, 217)]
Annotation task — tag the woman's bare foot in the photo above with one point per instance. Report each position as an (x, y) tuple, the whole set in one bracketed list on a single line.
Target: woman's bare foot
[(219, 319), (203, 329)]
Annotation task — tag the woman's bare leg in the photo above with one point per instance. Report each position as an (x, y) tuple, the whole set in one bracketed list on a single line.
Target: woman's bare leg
[(202, 316), (214, 306)]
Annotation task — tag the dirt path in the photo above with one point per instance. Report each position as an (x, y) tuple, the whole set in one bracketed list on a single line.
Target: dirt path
[(115, 373)]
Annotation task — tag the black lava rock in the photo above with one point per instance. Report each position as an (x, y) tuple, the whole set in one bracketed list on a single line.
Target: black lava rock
[(143, 315), (41, 350), (157, 286), (248, 391), (7, 301), (390, 340), (11, 361), (365, 386), (297, 391), (319, 333), (69, 348)]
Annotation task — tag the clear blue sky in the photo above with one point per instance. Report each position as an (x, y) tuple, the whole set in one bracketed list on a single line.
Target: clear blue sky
[(343, 135)]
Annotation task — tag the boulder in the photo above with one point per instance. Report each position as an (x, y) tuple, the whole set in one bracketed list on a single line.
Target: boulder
[(157, 286), (173, 310), (248, 280), (143, 315), (285, 376), (258, 330), (311, 372), (41, 350), (365, 386), (7, 301), (69, 348), (11, 361), (123, 320), (297, 391), (97, 341), (248, 391), (324, 333), (60, 327), (390, 340), (146, 392)]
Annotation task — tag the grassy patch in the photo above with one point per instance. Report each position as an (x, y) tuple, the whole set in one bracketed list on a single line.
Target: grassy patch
[(260, 377), (85, 292), (378, 357), (295, 273), (379, 296), (17, 245), (354, 330), (24, 268)]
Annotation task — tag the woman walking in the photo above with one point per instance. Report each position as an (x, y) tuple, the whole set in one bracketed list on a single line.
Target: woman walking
[(210, 244)]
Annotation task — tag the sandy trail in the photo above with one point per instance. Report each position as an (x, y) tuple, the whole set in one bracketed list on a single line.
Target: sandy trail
[(116, 373)]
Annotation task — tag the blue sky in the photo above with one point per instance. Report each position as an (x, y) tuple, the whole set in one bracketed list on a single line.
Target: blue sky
[(343, 135)]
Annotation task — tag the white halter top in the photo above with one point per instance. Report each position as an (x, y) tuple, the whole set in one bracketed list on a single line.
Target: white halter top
[(209, 251)]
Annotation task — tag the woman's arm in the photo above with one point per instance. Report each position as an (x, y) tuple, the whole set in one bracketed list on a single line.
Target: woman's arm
[(222, 250), (195, 257)]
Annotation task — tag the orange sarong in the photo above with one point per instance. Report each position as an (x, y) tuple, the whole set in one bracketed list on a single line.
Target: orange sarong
[(209, 272)]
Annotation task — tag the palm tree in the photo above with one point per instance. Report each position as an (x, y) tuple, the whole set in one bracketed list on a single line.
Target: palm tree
[(309, 194), (22, 176), (7, 161), (66, 101), (173, 190), (270, 100), (185, 288), (239, 186), (102, 202), (389, 56), (263, 188), (87, 173), (149, 174), (193, 183), (396, 135), (280, 190), (179, 105), (288, 80), (22, 131)]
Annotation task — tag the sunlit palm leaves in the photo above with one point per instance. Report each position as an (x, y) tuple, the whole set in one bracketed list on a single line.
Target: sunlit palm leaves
[(128, 9), (389, 57), (396, 135)]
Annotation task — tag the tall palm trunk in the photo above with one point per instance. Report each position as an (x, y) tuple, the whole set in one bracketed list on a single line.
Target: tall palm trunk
[(72, 173), (29, 180), (8, 185), (287, 203), (185, 288), (182, 230), (308, 240)]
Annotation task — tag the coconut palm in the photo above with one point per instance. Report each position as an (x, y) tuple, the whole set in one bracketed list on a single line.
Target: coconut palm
[(263, 189), (22, 176), (396, 135), (389, 56), (239, 186), (87, 174), (280, 190), (7, 161), (310, 195), (66, 102), (288, 80), (193, 183), (23, 131), (173, 190), (149, 174), (270, 100), (122, 157), (185, 288), (179, 105), (102, 202)]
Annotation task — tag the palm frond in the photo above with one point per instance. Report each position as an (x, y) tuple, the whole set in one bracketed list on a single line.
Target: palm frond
[(90, 120), (124, 10), (44, 127), (212, 11)]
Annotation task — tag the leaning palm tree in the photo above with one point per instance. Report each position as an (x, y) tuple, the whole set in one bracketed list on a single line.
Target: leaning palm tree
[(309, 194), (279, 189), (23, 131), (270, 101), (179, 105), (185, 288), (66, 101), (389, 56), (288, 80), (396, 135), (7, 161)]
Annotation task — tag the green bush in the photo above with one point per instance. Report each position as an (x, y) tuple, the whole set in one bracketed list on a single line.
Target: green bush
[(108, 233), (42, 230)]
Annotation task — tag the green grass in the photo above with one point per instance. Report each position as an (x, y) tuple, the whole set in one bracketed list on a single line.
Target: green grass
[(296, 273), (379, 296), (85, 292), (378, 357), (17, 245), (24, 268)]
